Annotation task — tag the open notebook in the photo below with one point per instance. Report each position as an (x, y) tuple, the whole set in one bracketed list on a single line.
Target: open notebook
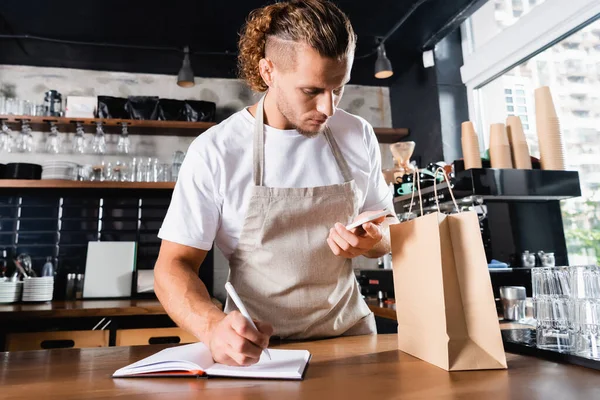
[(195, 360)]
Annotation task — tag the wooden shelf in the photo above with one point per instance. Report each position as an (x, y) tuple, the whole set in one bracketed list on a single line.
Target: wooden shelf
[(84, 308), (390, 135), (165, 128), (64, 184), (135, 127)]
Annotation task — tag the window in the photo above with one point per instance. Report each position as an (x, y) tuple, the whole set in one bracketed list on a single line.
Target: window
[(581, 113), (573, 86), (571, 45), (501, 14)]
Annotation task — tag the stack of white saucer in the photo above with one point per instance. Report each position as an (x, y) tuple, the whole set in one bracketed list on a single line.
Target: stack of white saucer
[(59, 170), (38, 288), (10, 292)]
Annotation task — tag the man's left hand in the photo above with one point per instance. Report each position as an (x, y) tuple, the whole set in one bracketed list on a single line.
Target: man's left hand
[(358, 241)]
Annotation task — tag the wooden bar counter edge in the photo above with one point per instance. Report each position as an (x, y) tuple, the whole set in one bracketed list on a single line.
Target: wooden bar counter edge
[(358, 367)]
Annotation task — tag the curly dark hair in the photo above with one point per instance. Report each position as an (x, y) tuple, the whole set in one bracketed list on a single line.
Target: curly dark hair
[(317, 23)]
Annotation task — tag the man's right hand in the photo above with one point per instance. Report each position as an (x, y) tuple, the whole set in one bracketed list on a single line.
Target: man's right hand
[(233, 341)]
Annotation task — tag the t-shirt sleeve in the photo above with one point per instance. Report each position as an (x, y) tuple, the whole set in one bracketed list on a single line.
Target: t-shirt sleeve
[(379, 196), (194, 214)]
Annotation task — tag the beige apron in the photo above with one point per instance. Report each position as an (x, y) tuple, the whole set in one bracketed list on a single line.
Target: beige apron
[(283, 269)]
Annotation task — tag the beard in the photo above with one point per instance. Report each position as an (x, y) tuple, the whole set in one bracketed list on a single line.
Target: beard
[(287, 111)]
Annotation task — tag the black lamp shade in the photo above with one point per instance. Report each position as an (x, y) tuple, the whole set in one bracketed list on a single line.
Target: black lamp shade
[(383, 66)]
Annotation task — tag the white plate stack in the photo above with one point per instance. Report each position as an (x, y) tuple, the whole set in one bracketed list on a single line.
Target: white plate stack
[(38, 289), (59, 170), (10, 292)]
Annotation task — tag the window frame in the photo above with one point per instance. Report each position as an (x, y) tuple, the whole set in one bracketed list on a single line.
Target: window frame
[(545, 25)]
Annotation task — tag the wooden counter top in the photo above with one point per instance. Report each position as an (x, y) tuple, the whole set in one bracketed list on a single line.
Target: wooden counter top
[(360, 367), (84, 308)]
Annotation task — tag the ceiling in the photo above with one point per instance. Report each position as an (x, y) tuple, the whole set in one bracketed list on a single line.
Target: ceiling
[(206, 26)]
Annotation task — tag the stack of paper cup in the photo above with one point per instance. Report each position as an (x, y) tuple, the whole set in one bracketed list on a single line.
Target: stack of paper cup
[(470, 146), (499, 147), (518, 144), (552, 149)]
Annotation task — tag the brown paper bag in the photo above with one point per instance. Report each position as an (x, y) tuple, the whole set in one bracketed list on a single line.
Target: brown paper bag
[(444, 300)]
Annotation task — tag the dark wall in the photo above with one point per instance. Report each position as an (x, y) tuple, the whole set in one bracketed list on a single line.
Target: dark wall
[(415, 105), (59, 224), (432, 103), (452, 94)]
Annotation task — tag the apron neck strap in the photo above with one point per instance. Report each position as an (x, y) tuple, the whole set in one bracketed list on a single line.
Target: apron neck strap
[(259, 148), (337, 154), (259, 143)]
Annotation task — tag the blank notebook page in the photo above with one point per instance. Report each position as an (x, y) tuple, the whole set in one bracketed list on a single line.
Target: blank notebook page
[(288, 364), (190, 356)]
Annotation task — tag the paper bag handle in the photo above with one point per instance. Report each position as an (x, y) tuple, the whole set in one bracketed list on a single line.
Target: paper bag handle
[(449, 189), (412, 197)]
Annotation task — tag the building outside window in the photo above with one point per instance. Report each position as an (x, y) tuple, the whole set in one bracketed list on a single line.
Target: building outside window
[(571, 68)]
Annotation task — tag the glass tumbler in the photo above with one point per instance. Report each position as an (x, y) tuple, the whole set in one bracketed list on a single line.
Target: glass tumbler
[(79, 146), (24, 140), (53, 144), (99, 141), (553, 308), (6, 138), (124, 143)]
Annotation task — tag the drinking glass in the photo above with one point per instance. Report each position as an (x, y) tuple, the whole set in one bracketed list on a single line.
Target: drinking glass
[(6, 139), (553, 308), (25, 107), (585, 282), (99, 142), (120, 172), (99, 172), (124, 143), (587, 328), (79, 146), (141, 170), (84, 172), (10, 106), (53, 144), (149, 170), (24, 140), (178, 158), (133, 169), (165, 173)]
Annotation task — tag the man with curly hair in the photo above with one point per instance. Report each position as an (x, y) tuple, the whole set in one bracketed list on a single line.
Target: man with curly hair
[(274, 186)]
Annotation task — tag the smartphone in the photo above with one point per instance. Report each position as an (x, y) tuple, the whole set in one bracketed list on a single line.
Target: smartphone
[(368, 219)]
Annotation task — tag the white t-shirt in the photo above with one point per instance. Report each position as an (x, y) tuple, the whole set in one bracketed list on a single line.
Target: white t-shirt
[(215, 182)]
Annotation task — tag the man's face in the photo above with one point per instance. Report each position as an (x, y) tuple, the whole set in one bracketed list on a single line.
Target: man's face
[(308, 93)]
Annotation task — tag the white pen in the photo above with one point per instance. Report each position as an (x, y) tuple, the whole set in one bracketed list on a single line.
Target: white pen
[(238, 302)]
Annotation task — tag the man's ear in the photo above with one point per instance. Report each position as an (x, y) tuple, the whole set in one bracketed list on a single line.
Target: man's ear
[(266, 69)]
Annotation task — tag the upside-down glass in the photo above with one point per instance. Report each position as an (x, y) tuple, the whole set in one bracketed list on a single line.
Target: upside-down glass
[(53, 143), (79, 146), (99, 141), (6, 138), (124, 143), (24, 140)]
